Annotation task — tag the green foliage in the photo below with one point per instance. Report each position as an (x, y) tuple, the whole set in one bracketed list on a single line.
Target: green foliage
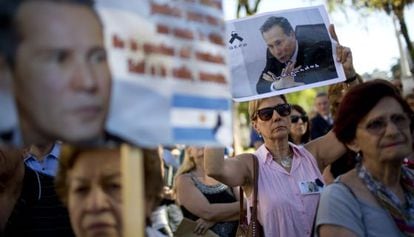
[(303, 98), (391, 7)]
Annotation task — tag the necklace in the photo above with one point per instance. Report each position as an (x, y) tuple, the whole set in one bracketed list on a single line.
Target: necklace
[(286, 161)]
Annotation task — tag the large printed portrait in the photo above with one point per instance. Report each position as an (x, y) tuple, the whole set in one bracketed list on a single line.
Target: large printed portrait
[(281, 52), (93, 72)]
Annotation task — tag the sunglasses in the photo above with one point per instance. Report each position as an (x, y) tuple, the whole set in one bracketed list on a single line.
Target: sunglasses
[(378, 125), (266, 114), (295, 118)]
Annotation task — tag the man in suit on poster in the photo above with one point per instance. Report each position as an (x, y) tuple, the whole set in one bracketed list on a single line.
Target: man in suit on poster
[(295, 57)]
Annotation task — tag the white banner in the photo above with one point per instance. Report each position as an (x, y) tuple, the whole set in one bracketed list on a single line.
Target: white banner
[(170, 77), (157, 75)]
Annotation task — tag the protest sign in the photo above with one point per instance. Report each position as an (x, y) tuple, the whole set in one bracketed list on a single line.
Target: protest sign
[(148, 72), (171, 81), (280, 52)]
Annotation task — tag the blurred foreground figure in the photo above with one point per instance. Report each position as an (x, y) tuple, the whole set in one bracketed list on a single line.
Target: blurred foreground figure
[(28, 202), (89, 183), (56, 57)]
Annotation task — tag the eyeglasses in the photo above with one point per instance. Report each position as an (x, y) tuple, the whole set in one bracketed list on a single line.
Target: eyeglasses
[(378, 125), (266, 114), (295, 118)]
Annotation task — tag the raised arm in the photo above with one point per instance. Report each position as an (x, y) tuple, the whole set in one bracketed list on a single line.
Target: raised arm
[(189, 196), (326, 149), (232, 171)]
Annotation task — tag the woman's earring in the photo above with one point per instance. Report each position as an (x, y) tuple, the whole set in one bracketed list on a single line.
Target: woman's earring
[(358, 157)]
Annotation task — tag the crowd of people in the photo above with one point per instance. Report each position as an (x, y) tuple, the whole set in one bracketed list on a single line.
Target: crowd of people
[(345, 170)]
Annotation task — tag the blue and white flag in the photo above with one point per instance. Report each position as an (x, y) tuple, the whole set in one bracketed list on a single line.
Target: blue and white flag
[(200, 119), (171, 82)]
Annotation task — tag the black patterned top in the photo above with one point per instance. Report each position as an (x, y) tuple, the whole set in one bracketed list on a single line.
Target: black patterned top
[(219, 193)]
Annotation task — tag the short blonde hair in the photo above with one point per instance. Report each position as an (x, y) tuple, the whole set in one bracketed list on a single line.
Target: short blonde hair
[(186, 166), (188, 163)]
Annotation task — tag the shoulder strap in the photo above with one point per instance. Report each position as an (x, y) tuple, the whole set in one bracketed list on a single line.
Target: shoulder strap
[(255, 189), (253, 217), (242, 214)]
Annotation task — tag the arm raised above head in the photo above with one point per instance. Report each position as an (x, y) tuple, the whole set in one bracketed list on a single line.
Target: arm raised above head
[(233, 172)]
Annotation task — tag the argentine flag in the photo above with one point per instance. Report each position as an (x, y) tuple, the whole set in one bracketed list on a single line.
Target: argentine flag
[(201, 119)]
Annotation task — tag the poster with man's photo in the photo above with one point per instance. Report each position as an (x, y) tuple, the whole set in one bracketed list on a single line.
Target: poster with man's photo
[(280, 52), (96, 72)]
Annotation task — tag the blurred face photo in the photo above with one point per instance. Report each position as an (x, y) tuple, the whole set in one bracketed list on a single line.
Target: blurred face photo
[(62, 79), (280, 45), (94, 194)]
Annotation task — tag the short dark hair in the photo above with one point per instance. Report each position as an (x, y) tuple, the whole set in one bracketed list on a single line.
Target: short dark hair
[(277, 21), (359, 101), (9, 32)]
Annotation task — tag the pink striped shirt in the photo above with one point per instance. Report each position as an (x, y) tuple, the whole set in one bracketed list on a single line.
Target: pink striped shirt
[(282, 209)]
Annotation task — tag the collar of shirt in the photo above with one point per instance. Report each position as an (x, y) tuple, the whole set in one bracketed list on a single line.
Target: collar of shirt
[(53, 154), (295, 54), (55, 150), (268, 157)]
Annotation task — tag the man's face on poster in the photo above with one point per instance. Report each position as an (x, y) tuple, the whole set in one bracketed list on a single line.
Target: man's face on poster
[(280, 45), (62, 79)]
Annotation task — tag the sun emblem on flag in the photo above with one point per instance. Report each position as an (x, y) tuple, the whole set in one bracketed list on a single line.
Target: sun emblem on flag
[(202, 118)]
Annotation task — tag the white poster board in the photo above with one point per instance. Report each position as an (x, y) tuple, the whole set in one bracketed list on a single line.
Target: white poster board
[(250, 55), (170, 77)]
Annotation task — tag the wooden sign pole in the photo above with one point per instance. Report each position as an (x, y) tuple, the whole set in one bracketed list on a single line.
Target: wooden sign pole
[(132, 165)]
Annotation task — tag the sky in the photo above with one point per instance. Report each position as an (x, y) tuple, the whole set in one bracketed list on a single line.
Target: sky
[(372, 39)]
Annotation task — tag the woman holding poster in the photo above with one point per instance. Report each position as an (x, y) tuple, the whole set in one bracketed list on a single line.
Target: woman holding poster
[(290, 179)]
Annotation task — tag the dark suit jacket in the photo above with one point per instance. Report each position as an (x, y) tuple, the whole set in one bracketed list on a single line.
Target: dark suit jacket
[(38, 212), (319, 126), (314, 47)]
